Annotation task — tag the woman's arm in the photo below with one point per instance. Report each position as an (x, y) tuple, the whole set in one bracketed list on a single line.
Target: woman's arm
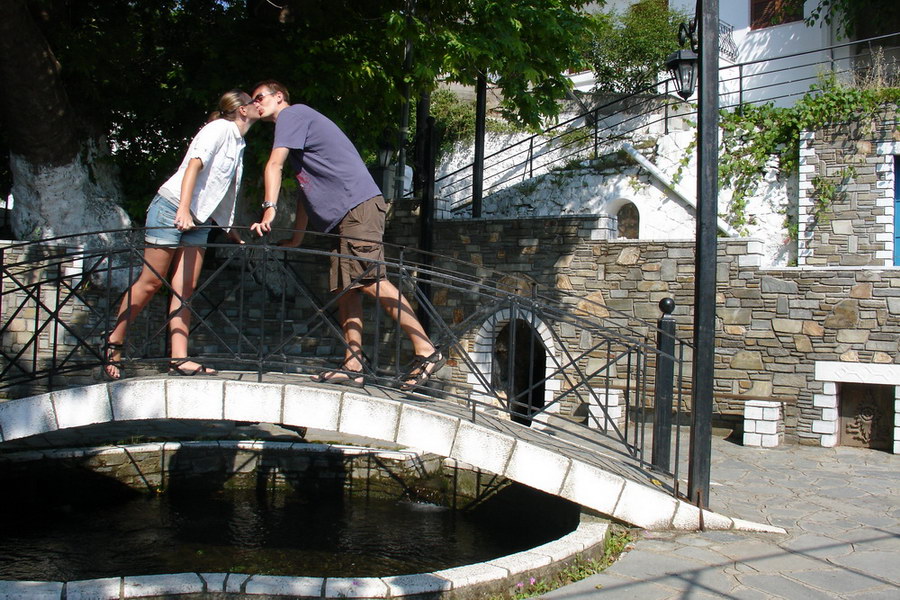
[(183, 219)]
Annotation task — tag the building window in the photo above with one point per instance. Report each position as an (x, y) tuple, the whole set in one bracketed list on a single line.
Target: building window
[(629, 221), (766, 13)]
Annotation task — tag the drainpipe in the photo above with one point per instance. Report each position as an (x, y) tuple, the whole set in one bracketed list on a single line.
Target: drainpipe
[(670, 186)]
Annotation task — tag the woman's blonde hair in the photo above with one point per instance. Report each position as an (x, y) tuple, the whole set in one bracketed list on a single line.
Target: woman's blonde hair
[(228, 105)]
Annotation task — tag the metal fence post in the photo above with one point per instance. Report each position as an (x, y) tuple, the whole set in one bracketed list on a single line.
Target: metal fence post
[(662, 397)]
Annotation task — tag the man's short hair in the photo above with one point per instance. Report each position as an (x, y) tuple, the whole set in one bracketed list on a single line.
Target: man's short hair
[(274, 86)]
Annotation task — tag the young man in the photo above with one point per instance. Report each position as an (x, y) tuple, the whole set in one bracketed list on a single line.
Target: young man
[(338, 196)]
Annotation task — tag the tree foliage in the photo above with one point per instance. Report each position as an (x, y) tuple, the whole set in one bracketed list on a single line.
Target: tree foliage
[(854, 18), (629, 50), (145, 73)]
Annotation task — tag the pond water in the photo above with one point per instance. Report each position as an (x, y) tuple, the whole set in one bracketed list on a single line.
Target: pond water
[(277, 532)]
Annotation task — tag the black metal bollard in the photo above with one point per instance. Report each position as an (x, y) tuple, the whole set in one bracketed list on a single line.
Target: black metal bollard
[(662, 398)]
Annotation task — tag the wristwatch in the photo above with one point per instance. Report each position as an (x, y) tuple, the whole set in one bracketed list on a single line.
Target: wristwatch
[(266, 205)]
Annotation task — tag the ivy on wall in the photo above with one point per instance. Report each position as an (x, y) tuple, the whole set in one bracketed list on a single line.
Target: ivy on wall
[(756, 137)]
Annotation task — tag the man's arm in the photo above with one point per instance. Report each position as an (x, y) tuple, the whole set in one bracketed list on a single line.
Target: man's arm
[(300, 222), (272, 179)]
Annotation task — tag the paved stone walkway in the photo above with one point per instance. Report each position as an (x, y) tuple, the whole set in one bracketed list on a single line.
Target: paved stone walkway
[(840, 506)]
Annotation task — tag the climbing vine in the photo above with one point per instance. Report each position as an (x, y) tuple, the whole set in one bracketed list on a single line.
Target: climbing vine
[(757, 136)]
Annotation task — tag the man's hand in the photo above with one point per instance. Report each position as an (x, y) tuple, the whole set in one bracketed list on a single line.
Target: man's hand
[(264, 225), (234, 236)]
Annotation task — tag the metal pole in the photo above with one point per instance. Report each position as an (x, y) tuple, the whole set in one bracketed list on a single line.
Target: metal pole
[(426, 232), (478, 165), (400, 171), (705, 261), (662, 397)]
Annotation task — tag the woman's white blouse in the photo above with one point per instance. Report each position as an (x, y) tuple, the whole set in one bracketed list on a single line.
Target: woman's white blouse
[(220, 147)]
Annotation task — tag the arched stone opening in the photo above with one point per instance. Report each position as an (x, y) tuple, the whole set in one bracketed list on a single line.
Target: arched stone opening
[(629, 221), (520, 365), (533, 341)]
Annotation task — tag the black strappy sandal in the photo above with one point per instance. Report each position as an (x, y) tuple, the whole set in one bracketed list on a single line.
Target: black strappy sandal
[(109, 349), (420, 373), (175, 369)]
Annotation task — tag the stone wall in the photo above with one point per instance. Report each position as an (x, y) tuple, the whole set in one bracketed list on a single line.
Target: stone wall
[(773, 325), (853, 224)]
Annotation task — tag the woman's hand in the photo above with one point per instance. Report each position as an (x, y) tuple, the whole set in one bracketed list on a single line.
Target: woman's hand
[(183, 219)]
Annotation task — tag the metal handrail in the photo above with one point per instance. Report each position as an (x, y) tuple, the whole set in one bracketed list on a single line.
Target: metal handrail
[(261, 309), (655, 104)]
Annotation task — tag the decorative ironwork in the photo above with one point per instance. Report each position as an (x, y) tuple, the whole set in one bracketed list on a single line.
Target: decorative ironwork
[(258, 309), (727, 47)]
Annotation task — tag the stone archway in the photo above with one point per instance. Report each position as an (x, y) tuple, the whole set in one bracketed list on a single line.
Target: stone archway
[(483, 358)]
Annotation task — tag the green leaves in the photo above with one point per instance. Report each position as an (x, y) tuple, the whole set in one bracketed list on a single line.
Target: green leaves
[(755, 136)]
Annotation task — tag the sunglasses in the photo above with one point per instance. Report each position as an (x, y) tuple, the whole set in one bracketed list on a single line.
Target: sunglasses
[(259, 97)]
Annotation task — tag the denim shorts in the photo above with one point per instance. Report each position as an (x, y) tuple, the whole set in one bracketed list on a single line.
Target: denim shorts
[(161, 213)]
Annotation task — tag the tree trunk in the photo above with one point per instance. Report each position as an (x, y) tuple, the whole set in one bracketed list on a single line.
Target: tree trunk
[(58, 188)]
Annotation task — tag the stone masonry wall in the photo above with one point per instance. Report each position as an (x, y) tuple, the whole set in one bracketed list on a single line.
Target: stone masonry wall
[(772, 325), (852, 225)]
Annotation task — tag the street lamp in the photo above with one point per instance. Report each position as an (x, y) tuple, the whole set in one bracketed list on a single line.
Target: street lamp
[(682, 65)]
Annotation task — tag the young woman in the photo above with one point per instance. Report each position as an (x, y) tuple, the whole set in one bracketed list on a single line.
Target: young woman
[(202, 192)]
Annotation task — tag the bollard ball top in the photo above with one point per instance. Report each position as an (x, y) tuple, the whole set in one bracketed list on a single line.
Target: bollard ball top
[(667, 305)]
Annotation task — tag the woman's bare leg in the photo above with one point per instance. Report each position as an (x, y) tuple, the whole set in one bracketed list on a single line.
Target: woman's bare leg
[(187, 265), (156, 264)]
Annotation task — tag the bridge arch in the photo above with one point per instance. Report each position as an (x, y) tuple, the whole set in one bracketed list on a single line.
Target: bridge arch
[(492, 444)]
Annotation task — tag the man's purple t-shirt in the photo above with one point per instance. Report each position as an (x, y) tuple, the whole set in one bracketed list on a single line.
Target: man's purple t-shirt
[(329, 169)]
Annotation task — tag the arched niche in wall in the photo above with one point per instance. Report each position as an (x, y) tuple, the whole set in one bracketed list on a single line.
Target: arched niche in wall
[(629, 221)]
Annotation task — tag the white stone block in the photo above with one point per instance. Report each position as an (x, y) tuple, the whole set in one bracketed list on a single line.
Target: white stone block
[(215, 582), (592, 487), (94, 589), (30, 590), (749, 260), (829, 414), (771, 414), (645, 507), (829, 441), (771, 441), (355, 587), (251, 401), (752, 412), (538, 467), (369, 416), (76, 407), (422, 583), (750, 425), (312, 407), (752, 439), (194, 398), (162, 585), (687, 517), (824, 427), (26, 416), (472, 574), (830, 387), (482, 447), (521, 562), (824, 401), (426, 430), (766, 427), (235, 582), (275, 585), (138, 399)]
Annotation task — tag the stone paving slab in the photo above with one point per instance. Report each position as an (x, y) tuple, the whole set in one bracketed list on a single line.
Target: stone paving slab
[(833, 547)]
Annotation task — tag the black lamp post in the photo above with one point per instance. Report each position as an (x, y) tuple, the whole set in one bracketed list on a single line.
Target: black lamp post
[(684, 68)]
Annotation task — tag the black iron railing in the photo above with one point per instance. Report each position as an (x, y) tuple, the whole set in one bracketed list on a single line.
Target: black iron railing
[(652, 110), (564, 364)]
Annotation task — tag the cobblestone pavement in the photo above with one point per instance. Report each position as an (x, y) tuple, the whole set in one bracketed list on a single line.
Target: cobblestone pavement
[(841, 510)]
